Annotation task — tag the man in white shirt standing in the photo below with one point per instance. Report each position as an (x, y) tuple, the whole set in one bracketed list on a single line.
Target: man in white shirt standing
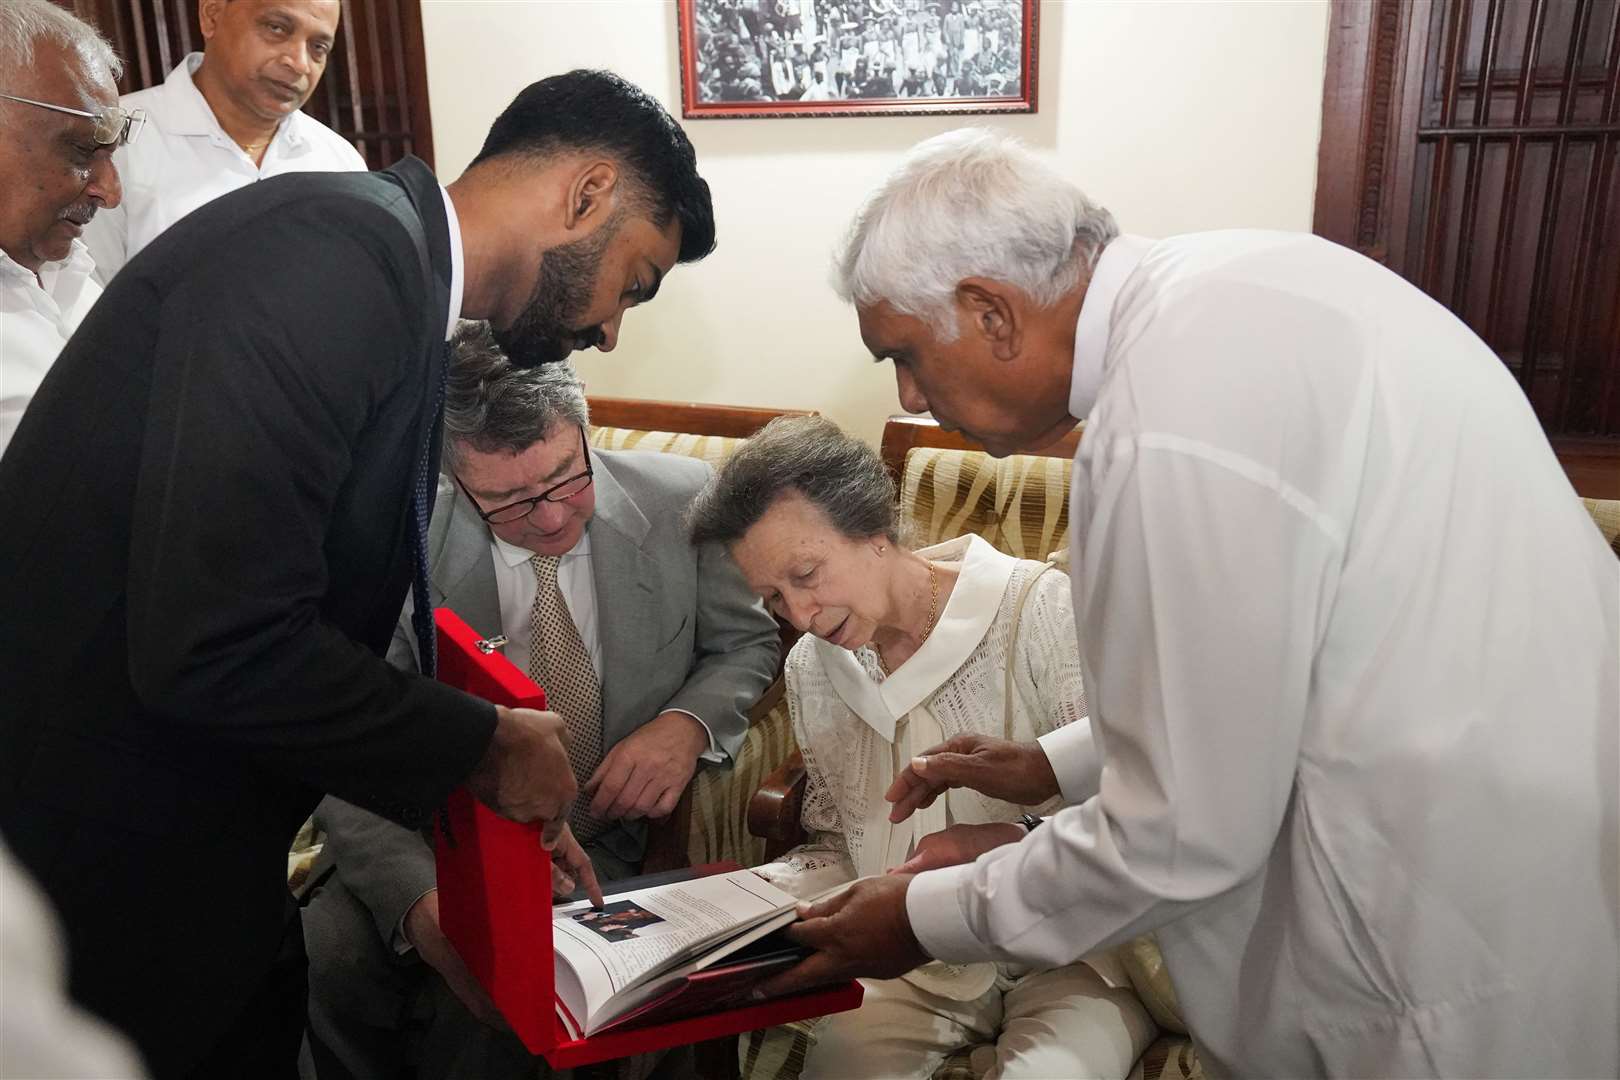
[(1348, 636), (60, 122), (224, 118)]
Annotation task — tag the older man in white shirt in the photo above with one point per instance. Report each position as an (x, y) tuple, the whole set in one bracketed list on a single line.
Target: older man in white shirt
[(1349, 638), (59, 124), (224, 118)]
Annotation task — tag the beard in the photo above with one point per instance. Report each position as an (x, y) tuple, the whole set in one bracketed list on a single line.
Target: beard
[(547, 330)]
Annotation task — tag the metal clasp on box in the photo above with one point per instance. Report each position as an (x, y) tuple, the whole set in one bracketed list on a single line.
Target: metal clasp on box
[(490, 644)]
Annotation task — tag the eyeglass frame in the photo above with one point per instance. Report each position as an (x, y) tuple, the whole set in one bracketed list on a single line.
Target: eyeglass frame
[(589, 476), (130, 122)]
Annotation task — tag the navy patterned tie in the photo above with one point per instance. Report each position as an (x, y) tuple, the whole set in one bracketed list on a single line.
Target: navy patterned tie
[(422, 491)]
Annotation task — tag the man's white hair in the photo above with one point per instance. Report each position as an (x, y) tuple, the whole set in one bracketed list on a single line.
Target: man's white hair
[(25, 23), (969, 203)]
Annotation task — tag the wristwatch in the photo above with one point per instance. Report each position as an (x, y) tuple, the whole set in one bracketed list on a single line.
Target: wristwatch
[(1030, 822)]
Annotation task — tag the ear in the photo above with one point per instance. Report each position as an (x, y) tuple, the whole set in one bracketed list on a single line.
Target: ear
[(208, 15), (991, 309), (591, 195)]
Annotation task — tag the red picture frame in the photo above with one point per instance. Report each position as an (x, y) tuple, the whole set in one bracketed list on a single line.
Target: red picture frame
[(782, 58)]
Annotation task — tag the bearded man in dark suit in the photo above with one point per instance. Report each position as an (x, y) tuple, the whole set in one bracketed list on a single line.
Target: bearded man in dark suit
[(214, 509)]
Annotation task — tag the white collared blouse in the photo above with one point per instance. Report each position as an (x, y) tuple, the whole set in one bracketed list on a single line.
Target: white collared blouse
[(856, 727)]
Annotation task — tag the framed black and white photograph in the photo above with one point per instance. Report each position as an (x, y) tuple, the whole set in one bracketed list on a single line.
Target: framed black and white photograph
[(744, 58)]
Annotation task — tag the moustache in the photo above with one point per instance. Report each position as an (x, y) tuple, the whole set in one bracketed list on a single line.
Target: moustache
[(79, 213)]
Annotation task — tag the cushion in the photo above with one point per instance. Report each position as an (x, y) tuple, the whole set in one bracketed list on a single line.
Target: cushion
[(711, 448), (1019, 504), (718, 830), (1606, 513)]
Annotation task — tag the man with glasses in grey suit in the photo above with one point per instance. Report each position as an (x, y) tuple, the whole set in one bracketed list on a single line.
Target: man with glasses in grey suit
[(652, 650)]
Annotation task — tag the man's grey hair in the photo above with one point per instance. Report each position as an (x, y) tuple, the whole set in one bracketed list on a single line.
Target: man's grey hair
[(26, 23), (969, 203), (804, 455), (493, 406)]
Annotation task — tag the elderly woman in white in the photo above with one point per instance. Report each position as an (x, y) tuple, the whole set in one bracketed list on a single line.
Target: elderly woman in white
[(904, 649)]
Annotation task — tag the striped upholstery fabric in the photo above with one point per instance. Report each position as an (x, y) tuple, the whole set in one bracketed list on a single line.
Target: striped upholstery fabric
[(718, 830), (711, 448), (1020, 503), (306, 846), (1606, 512)]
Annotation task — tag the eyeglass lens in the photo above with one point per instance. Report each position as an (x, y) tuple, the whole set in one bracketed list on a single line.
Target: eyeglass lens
[(567, 489)]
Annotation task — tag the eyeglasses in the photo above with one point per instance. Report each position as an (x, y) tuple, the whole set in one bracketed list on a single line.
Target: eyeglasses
[(567, 489), (115, 125)]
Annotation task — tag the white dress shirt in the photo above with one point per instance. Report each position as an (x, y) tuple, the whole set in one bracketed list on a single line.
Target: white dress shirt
[(37, 316), (184, 159), (458, 263), (515, 586), (1350, 645)]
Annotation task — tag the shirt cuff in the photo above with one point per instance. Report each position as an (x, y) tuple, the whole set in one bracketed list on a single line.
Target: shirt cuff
[(711, 756), (934, 909), (402, 945), (1072, 752)]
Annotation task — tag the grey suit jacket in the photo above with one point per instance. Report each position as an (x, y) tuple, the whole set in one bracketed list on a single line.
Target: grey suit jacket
[(679, 630)]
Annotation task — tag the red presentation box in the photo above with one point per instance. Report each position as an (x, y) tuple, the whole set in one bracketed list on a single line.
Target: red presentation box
[(495, 900)]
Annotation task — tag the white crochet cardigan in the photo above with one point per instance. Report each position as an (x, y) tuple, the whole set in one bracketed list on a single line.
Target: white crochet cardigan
[(856, 727)]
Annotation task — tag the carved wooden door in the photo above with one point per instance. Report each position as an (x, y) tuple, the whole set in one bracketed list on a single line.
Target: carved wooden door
[(1471, 146)]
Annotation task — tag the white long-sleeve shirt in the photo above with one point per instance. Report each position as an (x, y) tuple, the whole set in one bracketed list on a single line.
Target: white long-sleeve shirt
[(38, 313), (1351, 648), (183, 159)]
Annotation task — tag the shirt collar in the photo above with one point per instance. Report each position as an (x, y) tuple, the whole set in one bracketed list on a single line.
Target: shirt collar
[(458, 263), (968, 613), (515, 556), (1119, 259), (78, 263), (187, 112)]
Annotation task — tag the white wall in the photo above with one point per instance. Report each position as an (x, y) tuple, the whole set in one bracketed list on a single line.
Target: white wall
[(1178, 116)]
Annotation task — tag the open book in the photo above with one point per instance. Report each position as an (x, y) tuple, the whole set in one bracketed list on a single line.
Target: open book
[(667, 951)]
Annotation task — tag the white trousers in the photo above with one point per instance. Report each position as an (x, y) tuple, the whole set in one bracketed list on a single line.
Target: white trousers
[(1063, 1024)]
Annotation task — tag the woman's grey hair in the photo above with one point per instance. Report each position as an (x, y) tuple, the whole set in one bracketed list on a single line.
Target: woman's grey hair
[(807, 455), (25, 23), (492, 405), (969, 203)]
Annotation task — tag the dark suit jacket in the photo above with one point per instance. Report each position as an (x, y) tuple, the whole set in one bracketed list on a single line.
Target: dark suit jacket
[(205, 548), (679, 629)]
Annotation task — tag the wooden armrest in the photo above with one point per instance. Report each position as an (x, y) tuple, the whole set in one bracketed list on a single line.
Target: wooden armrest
[(773, 812)]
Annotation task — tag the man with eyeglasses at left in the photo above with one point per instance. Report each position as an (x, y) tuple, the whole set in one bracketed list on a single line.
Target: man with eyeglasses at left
[(652, 650), (60, 122)]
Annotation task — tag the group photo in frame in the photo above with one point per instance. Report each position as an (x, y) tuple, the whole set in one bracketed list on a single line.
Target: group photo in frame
[(744, 58)]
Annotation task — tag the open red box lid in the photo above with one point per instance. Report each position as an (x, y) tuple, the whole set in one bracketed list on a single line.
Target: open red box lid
[(495, 900)]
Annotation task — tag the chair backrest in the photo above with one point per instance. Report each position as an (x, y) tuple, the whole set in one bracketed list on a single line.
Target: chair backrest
[(903, 433), (1019, 503), (1606, 513)]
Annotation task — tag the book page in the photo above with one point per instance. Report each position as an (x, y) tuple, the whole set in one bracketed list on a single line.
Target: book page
[(640, 934)]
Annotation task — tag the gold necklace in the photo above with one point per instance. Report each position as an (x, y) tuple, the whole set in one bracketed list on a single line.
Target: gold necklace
[(933, 614)]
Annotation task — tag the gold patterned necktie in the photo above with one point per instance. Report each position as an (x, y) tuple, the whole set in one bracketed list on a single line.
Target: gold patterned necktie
[(559, 662)]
